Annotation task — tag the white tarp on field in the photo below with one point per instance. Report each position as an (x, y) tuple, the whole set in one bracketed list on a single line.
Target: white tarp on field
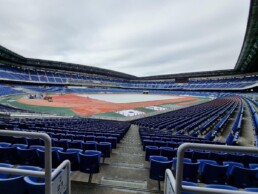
[(130, 112)]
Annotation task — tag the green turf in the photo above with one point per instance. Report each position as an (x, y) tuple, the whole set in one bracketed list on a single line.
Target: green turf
[(45, 109), (110, 114), (146, 110)]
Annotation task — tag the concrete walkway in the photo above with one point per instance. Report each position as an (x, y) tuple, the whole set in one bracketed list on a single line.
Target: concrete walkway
[(125, 172)]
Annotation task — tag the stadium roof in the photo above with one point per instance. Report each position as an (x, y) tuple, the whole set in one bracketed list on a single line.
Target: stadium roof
[(248, 58), (246, 61)]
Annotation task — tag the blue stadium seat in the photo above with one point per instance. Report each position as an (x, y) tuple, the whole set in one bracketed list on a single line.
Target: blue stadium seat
[(158, 166), (28, 156), (151, 150), (168, 152), (214, 174), (89, 145), (105, 148), (72, 156), (89, 163), (34, 187), (8, 155), (243, 177)]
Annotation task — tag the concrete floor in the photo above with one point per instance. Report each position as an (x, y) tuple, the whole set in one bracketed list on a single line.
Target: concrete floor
[(126, 171)]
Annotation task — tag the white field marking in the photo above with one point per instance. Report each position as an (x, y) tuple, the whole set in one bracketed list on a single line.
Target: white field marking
[(130, 112), (158, 108)]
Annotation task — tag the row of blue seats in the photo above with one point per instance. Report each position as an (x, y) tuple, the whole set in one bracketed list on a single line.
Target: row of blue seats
[(88, 162), (254, 116), (172, 144), (65, 141), (206, 171), (219, 157), (34, 155), (179, 120)]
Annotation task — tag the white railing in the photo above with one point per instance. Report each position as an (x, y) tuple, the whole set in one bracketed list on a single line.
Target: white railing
[(51, 179), (174, 185)]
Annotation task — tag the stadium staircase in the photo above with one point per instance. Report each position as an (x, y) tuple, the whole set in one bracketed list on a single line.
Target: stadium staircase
[(125, 172)]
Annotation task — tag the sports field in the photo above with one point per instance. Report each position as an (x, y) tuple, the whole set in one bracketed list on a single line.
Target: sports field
[(108, 105)]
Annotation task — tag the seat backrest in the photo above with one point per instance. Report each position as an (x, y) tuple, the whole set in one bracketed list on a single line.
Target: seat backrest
[(202, 162), (34, 187), (89, 163), (214, 174), (189, 160), (158, 168), (231, 164), (243, 177), (12, 185), (190, 171)]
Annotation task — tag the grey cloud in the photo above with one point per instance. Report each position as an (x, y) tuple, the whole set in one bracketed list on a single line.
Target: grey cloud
[(146, 37)]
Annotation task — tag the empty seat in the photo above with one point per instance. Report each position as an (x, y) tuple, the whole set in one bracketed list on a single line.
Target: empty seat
[(218, 157), (72, 156), (200, 155), (151, 150), (186, 160), (8, 155), (89, 163), (190, 171), (89, 138), (75, 144), (113, 141), (236, 157), (89, 145), (105, 148), (28, 156), (25, 167), (147, 142), (63, 143), (100, 139), (160, 143), (231, 164), (202, 162), (13, 185), (243, 177), (214, 174), (168, 152), (55, 157), (34, 187), (158, 166)]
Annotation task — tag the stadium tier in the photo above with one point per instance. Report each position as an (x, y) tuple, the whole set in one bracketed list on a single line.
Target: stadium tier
[(53, 112), (51, 76)]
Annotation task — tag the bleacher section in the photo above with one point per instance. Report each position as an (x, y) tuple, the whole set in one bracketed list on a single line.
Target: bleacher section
[(50, 76), (7, 90)]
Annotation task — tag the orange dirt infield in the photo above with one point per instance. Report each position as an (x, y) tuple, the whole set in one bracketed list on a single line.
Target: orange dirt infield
[(87, 106)]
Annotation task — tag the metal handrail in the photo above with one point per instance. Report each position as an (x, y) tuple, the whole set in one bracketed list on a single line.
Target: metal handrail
[(176, 184), (47, 174)]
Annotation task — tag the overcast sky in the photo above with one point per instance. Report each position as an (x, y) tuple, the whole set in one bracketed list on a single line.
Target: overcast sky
[(138, 37)]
